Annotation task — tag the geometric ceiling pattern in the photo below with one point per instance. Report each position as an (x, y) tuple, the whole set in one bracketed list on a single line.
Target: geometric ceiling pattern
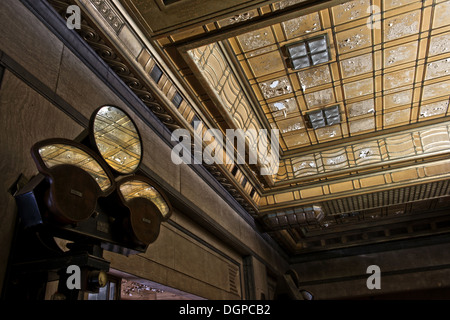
[(386, 67), (358, 90), (389, 66)]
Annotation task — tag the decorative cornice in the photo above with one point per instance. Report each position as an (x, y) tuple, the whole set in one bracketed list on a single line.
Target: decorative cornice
[(109, 13)]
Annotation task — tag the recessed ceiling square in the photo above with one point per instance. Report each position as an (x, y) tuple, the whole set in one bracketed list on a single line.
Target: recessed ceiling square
[(402, 25), (314, 77), (256, 39), (320, 98), (266, 64), (351, 10), (354, 39), (276, 87), (357, 65), (302, 25), (358, 88)]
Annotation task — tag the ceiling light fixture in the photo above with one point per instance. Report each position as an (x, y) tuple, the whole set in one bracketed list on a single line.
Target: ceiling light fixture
[(309, 52), (323, 117)]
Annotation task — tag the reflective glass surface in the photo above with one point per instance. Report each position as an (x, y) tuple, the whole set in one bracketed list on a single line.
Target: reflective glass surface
[(55, 154), (117, 139), (136, 188)]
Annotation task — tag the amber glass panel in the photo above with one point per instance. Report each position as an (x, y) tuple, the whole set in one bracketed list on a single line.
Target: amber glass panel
[(55, 154), (117, 139)]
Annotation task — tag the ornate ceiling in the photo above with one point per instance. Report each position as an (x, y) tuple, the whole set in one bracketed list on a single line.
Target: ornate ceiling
[(358, 90)]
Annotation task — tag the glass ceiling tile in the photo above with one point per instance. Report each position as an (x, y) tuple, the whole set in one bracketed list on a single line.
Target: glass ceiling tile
[(361, 125), (266, 63), (399, 79), (351, 10), (284, 108), (353, 39), (262, 50), (301, 25), (276, 87), (398, 99), (436, 90), (439, 44), (361, 108), (300, 63), (441, 14), (329, 132), (400, 54), (297, 51), (290, 125), (297, 139), (320, 98), (319, 58), (438, 68), (434, 109), (314, 77), (397, 117), (315, 116), (402, 25), (317, 45), (288, 104), (357, 65), (358, 88), (256, 39), (390, 4)]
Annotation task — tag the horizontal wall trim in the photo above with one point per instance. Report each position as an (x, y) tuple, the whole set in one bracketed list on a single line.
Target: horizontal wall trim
[(383, 274), (372, 248)]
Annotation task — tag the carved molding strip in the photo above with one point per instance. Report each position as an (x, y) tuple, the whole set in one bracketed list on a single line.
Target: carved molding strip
[(109, 13), (91, 36)]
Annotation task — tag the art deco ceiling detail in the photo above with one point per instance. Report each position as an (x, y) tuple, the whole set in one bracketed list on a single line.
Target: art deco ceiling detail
[(382, 75), (358, 90), (383, 65)]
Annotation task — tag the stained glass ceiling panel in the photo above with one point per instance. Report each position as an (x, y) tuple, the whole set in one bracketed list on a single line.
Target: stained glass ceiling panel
[(389, 67)]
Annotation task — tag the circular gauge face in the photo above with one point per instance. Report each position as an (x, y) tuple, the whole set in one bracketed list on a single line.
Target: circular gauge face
[(145, 220), (137, 187), (73, 193), (61, 152), (117, 139)]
